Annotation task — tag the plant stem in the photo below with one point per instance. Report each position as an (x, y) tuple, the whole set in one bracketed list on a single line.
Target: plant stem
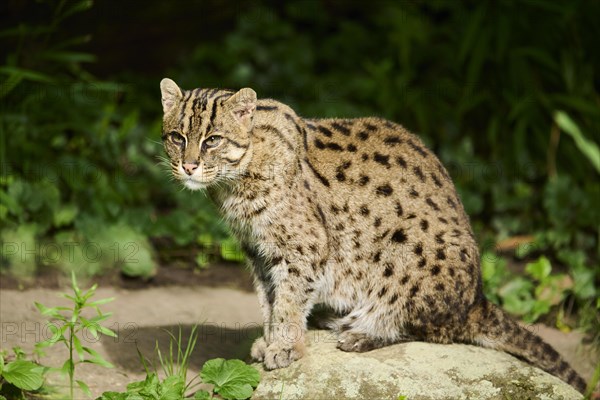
[(71, 365)]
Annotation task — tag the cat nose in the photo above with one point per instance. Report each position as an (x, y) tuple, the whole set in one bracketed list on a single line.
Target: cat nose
[(190, 167)]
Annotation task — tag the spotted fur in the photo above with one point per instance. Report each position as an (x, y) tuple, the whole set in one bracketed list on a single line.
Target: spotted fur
[(355, 214)]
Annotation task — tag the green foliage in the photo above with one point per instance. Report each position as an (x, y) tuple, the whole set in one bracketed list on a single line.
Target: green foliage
[(173, 366), (72, 324), (531, 295), (23, 374), (152, 388), (232, 379), (81, 185), (505, 93), (231, 250), (19, 375), (178, 364), (483, 83)]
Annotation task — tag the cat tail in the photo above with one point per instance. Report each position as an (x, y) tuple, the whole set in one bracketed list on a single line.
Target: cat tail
[(493, 328)]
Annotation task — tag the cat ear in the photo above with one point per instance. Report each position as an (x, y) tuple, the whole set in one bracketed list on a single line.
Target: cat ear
[(170, 94), (242, 106)]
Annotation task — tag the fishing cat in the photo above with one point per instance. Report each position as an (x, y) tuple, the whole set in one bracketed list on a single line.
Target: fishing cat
[(356, 214)]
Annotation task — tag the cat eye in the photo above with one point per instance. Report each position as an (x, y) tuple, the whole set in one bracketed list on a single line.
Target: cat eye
[(177, 139), (212, 141)]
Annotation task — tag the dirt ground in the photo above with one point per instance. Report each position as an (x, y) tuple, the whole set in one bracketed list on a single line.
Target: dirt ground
[(220, 302)]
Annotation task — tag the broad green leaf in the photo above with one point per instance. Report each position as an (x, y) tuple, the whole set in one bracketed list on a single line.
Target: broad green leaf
[(539, 269), (148, 388), (202, 395), (233, 379), (538, 309), (134, 387), (24, 374), (236, 391), (172, 388), (516, 296)]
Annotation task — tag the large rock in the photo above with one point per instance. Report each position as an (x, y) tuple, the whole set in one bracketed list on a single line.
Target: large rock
[(416, 370)]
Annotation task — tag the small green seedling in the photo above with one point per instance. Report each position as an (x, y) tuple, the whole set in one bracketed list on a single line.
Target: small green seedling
[(70, 325), (173, 366), (232, 379)]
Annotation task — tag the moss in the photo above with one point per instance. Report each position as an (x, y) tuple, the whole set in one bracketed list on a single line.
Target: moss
[(516, 385)]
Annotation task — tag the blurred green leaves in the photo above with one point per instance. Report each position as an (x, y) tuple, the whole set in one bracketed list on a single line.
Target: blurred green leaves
[(490, 86), (81, 186), (530, 295)]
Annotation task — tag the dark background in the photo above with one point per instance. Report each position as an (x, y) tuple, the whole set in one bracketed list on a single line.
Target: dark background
[(505, 92)]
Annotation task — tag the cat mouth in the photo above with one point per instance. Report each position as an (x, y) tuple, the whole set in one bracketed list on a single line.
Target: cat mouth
[(194, 184), (199, 180)]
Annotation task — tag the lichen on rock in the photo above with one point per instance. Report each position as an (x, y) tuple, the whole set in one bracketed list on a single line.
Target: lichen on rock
[(417, 370)]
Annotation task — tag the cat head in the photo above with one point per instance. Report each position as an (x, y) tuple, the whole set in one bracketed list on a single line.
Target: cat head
[(206, 133)]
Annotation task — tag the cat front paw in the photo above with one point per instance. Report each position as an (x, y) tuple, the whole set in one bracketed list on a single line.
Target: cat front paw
[(259, 347), (281, 354)]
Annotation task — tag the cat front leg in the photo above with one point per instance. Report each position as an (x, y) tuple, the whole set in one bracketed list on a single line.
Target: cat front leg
[(293, 297), (265, 299)]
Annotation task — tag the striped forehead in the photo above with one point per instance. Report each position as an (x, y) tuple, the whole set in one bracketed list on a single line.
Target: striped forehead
[(199, 110)]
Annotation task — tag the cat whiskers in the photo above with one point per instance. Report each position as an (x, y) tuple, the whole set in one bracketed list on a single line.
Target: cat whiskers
[(166, 164), (154, 141)]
